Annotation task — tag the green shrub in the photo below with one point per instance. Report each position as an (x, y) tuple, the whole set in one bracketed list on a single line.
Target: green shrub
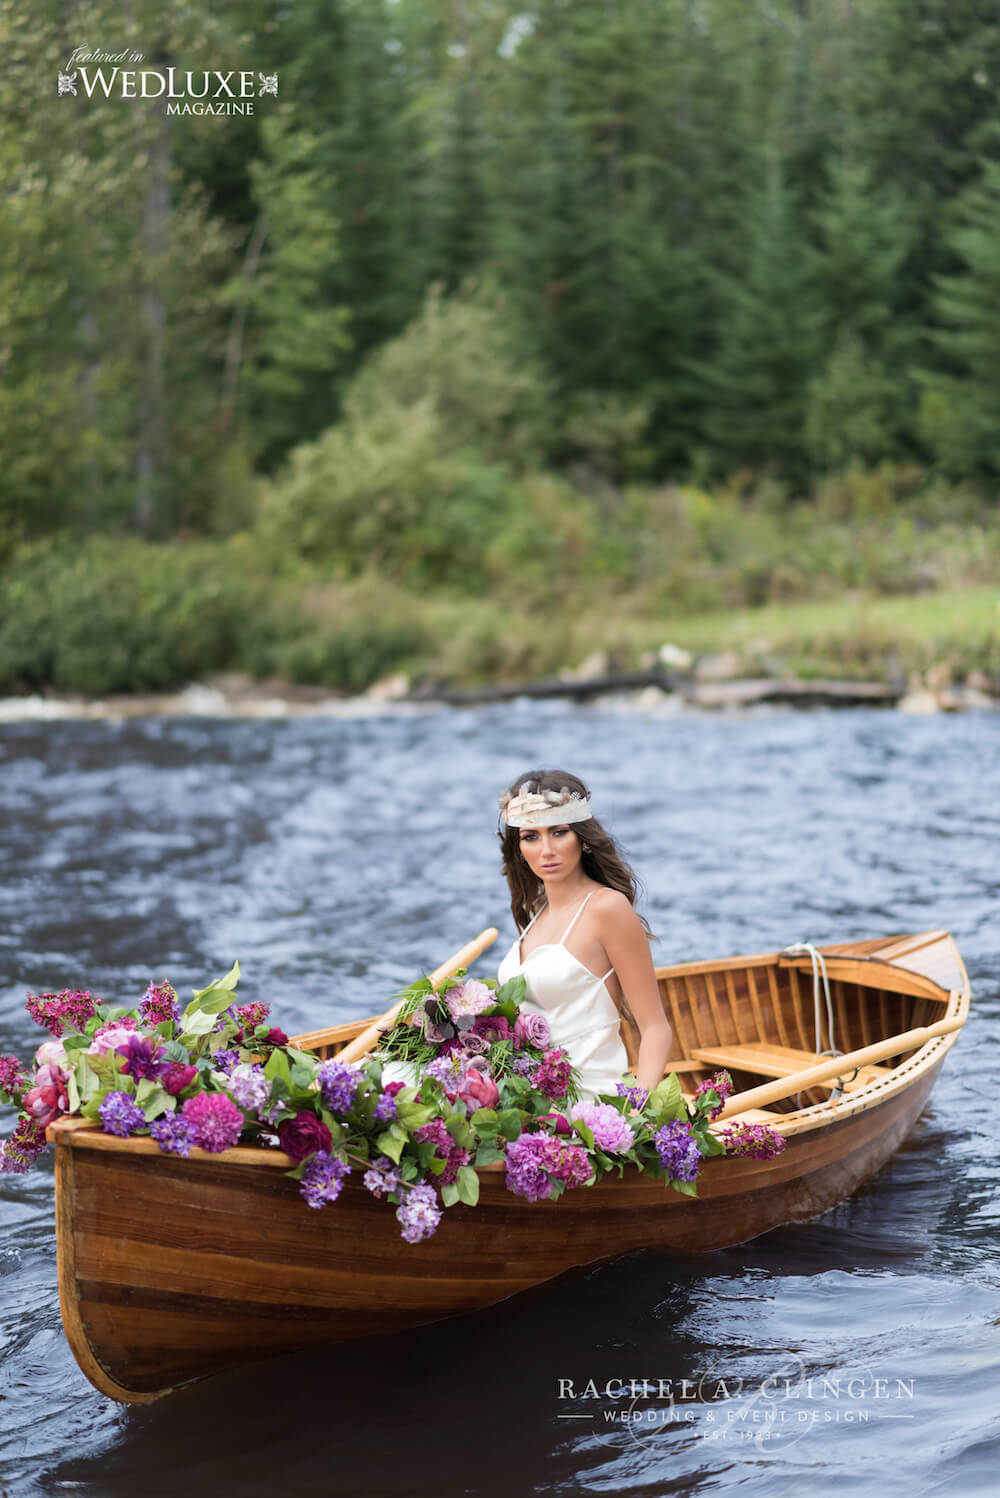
[(121, 615)]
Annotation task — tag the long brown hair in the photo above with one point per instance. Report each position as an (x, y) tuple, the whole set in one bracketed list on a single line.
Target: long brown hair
[(602, 861)]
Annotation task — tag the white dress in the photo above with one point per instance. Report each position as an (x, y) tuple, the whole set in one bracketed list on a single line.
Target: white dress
[(582, 1015)]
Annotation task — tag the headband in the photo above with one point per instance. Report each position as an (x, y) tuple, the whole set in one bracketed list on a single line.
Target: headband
[(544, 808)]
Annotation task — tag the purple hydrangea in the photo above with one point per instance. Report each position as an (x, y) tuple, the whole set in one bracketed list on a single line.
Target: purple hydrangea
[(158, 1004), (339, 1085), (217, 1120), (385, 1108), (678, 1151), (250, 1088), (323, 1178), (418, 1213), (758, 1141), (226, 1061), (636, 1095), (121, 1115), (382, 1177), (536, 1162), (611, 1131), (522, 1065), (174, 1133)]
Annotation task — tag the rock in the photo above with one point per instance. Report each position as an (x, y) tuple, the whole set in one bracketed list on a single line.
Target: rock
[(390, 688), (917, 699), (726, 666), (202, 702), (980, 682), (965, 699), (597, 664), (675, 656), (656, 701), (939, 676)]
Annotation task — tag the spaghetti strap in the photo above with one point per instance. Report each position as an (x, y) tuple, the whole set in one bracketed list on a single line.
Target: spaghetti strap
[(534, 918), (607, 975), (562, 941)]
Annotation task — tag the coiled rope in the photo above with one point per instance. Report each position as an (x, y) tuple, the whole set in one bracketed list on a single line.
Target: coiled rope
[(820, 976)]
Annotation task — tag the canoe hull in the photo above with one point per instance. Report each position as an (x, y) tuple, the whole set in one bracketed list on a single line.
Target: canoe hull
[(170, 1270)]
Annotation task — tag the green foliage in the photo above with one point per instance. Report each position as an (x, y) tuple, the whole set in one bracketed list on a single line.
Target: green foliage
[(123, 616), (415, 479)]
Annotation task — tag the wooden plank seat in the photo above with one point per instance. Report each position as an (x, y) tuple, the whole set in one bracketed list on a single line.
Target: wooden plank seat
[(766, 1060)]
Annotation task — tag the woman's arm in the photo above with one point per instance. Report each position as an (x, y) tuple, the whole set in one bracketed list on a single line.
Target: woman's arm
[(627, 946)]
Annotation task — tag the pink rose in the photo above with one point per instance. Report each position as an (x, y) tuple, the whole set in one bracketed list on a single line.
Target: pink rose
[(479, 1090), (50, 1053), (48, 1097), (110, 1038), (532, 1028)]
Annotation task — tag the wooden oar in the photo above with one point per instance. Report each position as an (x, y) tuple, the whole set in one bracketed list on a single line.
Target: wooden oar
[(824, 1071), (363, 1043)]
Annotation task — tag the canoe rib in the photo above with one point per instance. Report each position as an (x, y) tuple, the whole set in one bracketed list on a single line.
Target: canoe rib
[(172, 1269)]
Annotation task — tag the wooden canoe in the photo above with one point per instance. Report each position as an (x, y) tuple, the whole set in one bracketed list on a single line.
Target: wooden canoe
[(172, 1269)]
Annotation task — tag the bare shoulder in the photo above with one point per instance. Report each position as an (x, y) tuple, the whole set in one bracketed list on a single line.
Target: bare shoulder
[(615, 912)]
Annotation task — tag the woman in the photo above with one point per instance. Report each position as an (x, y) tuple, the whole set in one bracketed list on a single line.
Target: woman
[(588, 948)]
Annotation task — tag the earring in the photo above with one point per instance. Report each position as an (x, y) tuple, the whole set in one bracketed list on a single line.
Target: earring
[(585, 847)]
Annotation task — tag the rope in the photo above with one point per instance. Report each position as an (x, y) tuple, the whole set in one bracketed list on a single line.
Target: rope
[(820, 976)]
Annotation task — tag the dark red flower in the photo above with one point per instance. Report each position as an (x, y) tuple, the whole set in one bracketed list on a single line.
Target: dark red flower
[(393, 1087), (303, 1135), (276, 1037), (560, 1124), (177, 1076)]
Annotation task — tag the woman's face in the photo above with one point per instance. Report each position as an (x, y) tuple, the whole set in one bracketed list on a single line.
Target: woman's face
[(551, 853)]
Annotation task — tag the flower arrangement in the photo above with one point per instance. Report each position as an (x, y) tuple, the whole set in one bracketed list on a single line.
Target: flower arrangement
[(489, 1085)]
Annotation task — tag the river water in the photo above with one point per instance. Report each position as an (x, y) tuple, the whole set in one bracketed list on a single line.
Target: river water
[(337, 859)]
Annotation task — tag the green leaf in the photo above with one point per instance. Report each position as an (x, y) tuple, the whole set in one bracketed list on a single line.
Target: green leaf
[(484, 1121), (277, 1066), (686, 1188), (412, 1115), (177, 1052), (87, 1079), (509, 1123), (584, 1131), (196, 1024), (468, 1185), (155, 1102), (665, 1102), (450, 1194), (513, 991), (302, 1076), (73, 1091), (229, 982), (487, 1153), (390, 1146), (75, 1043)]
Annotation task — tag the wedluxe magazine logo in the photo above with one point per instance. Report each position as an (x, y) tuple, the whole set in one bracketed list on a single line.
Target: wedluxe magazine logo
[(94, 72)]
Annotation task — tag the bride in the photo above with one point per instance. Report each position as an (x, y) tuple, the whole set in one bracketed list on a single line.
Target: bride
[(588, 949)]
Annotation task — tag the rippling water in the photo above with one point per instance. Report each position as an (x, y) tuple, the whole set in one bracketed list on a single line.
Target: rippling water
[(337, 859)]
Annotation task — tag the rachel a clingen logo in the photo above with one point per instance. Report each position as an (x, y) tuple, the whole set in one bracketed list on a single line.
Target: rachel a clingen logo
[(209, 92), (780, 1408)]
